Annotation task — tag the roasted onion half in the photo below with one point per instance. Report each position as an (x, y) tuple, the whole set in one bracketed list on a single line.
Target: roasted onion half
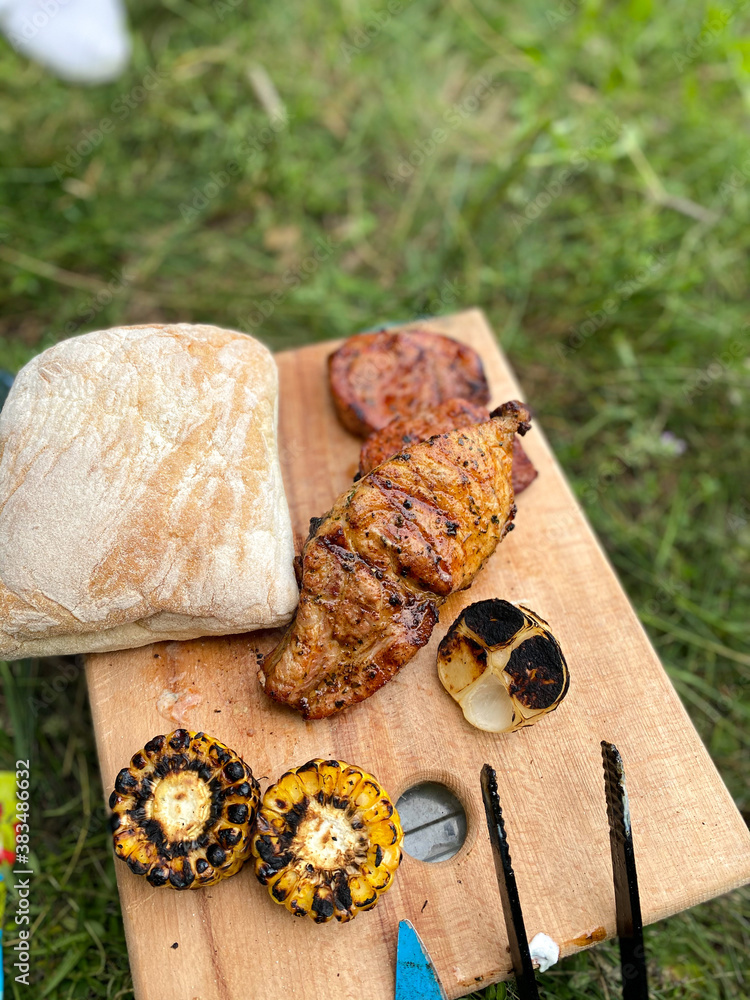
[(503, 666)]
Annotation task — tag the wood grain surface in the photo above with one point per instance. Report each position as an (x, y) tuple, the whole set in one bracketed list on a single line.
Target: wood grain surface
[(235, 944)]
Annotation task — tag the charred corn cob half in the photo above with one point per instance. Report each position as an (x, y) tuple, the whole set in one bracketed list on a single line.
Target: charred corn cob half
[(183, 811), (327, 841)]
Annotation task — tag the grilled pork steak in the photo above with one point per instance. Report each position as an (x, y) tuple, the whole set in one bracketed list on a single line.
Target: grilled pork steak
[(376, 568), (524, 472), (404, 431), (375, 377)]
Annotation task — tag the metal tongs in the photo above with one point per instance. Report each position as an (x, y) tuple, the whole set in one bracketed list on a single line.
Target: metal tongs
[(416, 977)]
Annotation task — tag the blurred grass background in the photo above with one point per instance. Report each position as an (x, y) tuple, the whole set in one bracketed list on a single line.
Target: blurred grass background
[(589, 188)]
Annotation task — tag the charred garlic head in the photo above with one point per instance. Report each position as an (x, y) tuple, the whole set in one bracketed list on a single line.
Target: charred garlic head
[(183, 811), (503, 666), (327, 841)]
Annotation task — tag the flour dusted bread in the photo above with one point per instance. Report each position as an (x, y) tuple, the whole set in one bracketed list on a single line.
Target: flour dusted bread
[(141, 495)]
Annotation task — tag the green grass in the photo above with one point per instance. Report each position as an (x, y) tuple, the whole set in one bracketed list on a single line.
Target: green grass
[(593, 202)]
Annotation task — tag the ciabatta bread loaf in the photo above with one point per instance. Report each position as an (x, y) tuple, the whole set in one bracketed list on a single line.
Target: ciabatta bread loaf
[(141, 495)]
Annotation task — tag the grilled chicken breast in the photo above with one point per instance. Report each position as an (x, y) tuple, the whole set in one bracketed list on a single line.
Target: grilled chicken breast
[(404, 431), (376, 568)]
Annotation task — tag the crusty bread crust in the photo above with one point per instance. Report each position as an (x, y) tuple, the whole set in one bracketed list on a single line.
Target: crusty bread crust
[(141, 495)]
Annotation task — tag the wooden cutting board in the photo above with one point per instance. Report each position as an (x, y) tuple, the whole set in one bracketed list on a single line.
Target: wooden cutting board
[(230, 942)]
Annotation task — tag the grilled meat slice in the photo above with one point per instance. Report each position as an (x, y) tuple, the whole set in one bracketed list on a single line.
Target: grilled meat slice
[(376, 568), (524, 472), (375, 377), (414, 427), (403, 431)]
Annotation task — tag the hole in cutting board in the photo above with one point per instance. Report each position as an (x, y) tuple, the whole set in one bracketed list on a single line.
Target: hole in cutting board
[(433, 820)]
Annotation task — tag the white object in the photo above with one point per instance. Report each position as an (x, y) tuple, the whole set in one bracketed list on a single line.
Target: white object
[(544, 951), (141, 495), (82, 41)]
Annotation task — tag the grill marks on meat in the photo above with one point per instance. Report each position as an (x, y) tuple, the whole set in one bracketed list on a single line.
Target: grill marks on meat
[(375, 377), (377, 567), (404, 431)]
